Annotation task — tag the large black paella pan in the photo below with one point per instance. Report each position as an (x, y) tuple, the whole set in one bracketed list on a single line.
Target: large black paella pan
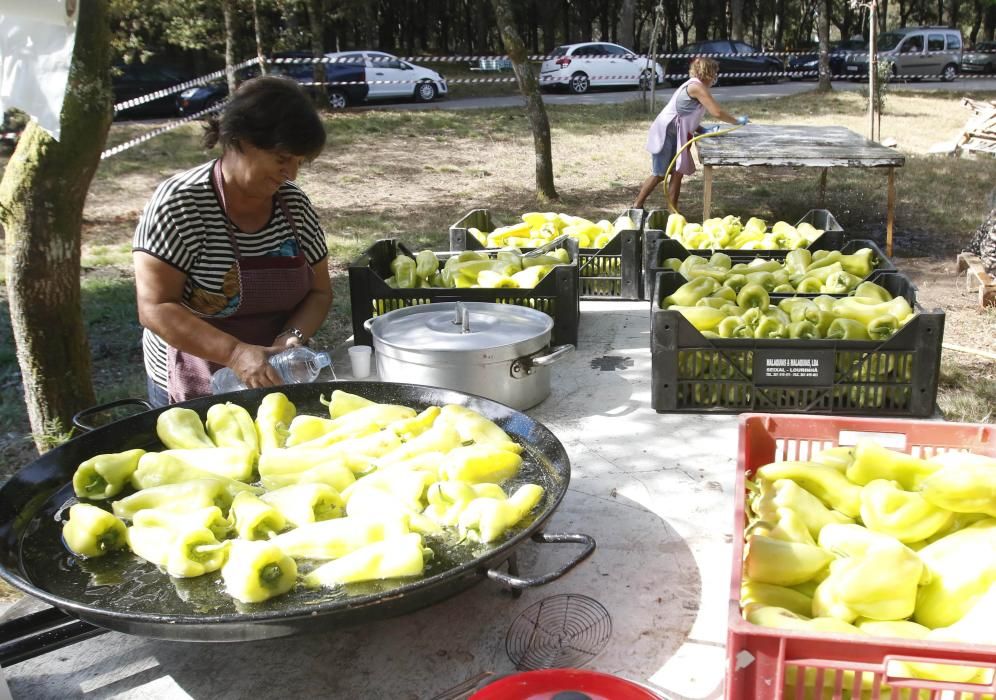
[(124, 593)]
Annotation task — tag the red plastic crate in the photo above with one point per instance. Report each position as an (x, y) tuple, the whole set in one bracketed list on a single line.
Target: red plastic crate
[(841, 666)]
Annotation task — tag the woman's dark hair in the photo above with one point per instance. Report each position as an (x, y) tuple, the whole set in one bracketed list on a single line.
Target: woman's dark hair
[(271, 113)]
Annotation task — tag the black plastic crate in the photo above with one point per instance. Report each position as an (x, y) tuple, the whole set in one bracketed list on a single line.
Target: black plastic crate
[(670, 248), (556, 294), (655, 224), (612, 272), (897, 376)]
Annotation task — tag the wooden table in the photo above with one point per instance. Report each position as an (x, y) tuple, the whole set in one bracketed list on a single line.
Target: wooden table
[(821, 147)]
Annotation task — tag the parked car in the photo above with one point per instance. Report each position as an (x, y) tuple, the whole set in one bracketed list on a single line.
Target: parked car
[(132, 80), (348, 78), (915, 52), (737, 63), (981, 59), (807, 66), (388, 77), (579, 67)]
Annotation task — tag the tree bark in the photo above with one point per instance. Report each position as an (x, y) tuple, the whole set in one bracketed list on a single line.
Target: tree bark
[(258, 31), (42, 194), (626, 37), (530, 88), (228, 12), (737, 20), (823, 29), (316, 23)]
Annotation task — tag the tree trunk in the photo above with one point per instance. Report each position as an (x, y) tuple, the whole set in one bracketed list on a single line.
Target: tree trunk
[(626, 37), (823, 29), (737, 20), (258, 30), (529, 86), (228, 12), (779, 25), (42, 194), (316, 23)]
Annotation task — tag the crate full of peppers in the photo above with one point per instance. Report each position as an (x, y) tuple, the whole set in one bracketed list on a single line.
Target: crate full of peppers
[(610, 261), (716, 348), (864, 559), (802, 271), (390, 276)]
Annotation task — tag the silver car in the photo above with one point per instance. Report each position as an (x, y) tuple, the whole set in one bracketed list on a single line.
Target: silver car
[(981, 59), (915, 52)]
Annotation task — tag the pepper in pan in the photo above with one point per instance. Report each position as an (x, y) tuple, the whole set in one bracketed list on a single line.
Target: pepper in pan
[(257, 570), (92, 531), (104, 476), (182, 429)]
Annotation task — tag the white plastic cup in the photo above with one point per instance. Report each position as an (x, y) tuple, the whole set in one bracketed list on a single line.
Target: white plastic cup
[(359, 359)]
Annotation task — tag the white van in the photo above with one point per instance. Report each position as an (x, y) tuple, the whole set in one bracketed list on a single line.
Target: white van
[(915, 52)]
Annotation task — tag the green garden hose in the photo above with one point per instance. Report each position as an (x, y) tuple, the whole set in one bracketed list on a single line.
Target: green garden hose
[(672, 207)]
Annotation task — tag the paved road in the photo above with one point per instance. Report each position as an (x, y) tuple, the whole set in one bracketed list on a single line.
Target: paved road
[(723, 94)]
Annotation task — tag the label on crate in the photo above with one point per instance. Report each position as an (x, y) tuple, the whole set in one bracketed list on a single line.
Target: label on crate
[(793, 367)]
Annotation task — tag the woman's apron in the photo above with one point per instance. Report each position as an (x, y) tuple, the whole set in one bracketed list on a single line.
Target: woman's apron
[(271, 287), (685, 125)]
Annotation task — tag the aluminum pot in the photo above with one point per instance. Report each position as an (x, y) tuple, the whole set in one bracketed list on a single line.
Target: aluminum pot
[(499, 351)]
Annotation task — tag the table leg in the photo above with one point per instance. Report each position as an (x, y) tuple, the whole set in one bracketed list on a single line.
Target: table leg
[(706, 191), (890, 212), (823, 188)]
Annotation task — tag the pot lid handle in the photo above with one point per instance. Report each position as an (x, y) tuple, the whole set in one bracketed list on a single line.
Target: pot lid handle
[(461, 317)]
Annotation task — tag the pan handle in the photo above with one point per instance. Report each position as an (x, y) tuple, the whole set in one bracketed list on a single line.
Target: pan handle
[(79, 419), (544, 538), (555, 354)]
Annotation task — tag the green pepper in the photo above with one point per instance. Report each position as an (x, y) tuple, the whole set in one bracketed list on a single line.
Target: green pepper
[(513, 259), (880, 585), (690, 292), (882, 327), (823, 272), (963, 568), (487, 519), (796, 261), (809, 285), (735, 282), (183, 554), (477, 463), (160, 468), (789, 526), (907, 516), (273, 419), (726, 293), (840, 458), (448, 499), (753, 296), (784, 288), (364, 422), (763, 265), (305, 428), (671, 264), (769, 499), (847, 329), (721, 260), (342, 402), (376, 500), (409, 485), (852, 540), (702, 318), (715, 303), (210, 517), (803, 329), (105, 475), (763, 279), (773, 616), (717, 273), (441, 437), (403, 268), (826, 483), (873, 461), (257, 570), (426, 264), (840, 283), (768, 594), (824, 258), (255, 519), (859, 263), (92, 531), (872, 291), (409, 428), (181, 428), (332, 539), (975, 628), (397, 557), (285, 466), (301, 504), (733, 327), (962, 488), (236, 463), (770, 328), (781, 562), (231, 425), (685, 269), (864, 311), (187, 495)]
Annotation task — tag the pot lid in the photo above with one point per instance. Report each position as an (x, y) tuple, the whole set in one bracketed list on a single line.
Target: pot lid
[(460, 326)]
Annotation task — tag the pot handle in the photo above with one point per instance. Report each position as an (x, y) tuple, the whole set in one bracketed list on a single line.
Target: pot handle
[(543, 538), (80, 422), (368, 324), (557, 353)]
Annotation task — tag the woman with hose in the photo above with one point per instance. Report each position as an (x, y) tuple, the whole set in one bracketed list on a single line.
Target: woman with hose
[(677, 124)]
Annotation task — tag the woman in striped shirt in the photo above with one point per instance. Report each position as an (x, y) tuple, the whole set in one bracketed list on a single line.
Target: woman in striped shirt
[(230, 259)]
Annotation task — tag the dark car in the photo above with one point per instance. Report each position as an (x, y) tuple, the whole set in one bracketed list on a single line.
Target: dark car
[(737, 63), (807, 66), (345, 82), (135, 80)]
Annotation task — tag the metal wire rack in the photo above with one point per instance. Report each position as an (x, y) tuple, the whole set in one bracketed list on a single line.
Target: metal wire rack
[(562, 631)]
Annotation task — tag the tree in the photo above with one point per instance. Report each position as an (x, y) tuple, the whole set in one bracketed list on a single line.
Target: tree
[(529, 86), (228, 13), (823, 29), (42, 194)]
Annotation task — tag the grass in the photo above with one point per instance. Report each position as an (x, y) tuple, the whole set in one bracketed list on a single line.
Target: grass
[(410, 174)]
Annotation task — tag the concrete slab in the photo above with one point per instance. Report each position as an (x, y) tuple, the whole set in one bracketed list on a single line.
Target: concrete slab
[(655, 491)]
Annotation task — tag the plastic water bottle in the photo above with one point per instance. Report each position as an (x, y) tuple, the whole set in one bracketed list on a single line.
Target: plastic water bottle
[(296, 365)]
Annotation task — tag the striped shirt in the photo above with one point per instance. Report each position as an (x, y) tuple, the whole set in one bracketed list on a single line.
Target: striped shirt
[(185, 226)]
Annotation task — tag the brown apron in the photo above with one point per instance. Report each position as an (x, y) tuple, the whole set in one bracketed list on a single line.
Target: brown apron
[(271, 287)]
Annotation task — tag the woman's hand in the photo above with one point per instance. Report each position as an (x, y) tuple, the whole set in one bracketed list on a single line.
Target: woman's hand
[(251, 364)]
